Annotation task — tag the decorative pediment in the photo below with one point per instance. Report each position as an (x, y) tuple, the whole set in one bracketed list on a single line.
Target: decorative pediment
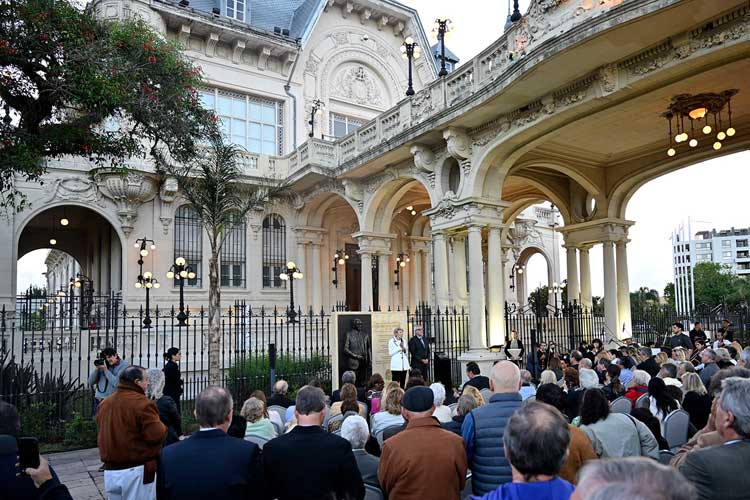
[(356, 83)]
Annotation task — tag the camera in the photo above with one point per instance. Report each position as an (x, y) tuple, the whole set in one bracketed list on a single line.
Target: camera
[(99, 362)]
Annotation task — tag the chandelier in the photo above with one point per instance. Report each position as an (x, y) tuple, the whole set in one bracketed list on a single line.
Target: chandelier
[(699, 117)]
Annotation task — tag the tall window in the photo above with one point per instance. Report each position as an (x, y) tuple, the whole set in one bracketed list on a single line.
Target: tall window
[(342, 125), (188, 240), (248, 121), (236, 9), (233, 255), (274, 251)]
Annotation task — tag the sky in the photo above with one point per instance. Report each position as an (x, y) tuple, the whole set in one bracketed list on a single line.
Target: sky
[(711, 194)]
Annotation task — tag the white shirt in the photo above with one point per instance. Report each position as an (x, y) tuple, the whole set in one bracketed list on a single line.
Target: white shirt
[(442, 413), (722, 343), (399, 358)]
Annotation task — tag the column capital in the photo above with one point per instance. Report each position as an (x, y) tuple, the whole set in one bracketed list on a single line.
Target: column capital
[(585, 248), (310, 234), (622, 243), (596, 231), (452, 213)]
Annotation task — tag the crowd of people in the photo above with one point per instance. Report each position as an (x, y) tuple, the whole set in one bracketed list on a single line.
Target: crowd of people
[(550, 431)]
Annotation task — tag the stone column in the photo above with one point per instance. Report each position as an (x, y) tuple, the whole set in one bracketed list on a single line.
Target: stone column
[(426, 277), (415, 280), (302, 287), (458, 247), (574, 290), (610, 289), (316, 270), (366, 281), (384, 281), (441, 270), (585, 277), (476, 293), (623, 290), (496, 286)]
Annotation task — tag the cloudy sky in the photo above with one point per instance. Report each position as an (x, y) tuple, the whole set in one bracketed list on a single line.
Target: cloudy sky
[(710, 193)]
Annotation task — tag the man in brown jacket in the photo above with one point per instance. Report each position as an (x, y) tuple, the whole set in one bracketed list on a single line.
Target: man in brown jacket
[(130, 438), (423, 461)]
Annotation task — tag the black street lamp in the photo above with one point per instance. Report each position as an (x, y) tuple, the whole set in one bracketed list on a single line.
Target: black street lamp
[(410, 51), (316, 105), (516, 16), (442, 28), (148, 281), (339, 259), (516, 269), (181, 271), (401, 260), (291, 274)]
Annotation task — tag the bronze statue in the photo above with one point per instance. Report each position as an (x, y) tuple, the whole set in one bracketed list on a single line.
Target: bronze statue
[(357, 350)]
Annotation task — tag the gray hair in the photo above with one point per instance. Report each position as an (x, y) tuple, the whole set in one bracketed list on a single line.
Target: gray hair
[(281, 387), (155, 389), (745, 355), (735, 398), (641, 377), (212, 406), (438, 392), (348, 377), (613, 479), (548, 377), (310, 400), (710, 354), (686, 366), (526, 376), (670, 369), (585, 363), (253, 410), (588, 378), (645, 351), (466, 403), (355, 430), (536, 439), (722, 354)]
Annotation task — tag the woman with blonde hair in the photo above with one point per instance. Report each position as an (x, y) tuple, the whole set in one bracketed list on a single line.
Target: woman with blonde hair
[(257, 423), (548, 377), (679, 355), (696, 401), (661, 358), (390, 413), (474, 392), (348, 393)]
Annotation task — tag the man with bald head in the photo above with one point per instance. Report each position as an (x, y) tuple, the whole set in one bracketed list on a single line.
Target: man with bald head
[(484, 427)]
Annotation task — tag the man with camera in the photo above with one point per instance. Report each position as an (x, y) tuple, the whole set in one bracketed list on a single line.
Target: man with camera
[(106, 374)]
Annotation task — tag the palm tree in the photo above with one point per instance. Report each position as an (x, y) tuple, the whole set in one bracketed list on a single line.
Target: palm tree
[(212, 186)]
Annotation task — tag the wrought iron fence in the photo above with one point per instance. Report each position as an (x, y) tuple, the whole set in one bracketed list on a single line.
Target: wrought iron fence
[(653, 324)]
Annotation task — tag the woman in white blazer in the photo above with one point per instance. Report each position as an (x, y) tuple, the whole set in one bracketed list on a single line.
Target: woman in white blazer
[(399, 353)]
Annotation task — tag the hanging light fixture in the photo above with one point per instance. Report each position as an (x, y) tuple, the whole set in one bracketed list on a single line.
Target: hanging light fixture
[(695, 109)]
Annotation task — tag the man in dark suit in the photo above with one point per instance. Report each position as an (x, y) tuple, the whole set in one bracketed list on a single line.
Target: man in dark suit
[(720, 472), (475, 378), (355, 430), (307, 463), (647, 362), (419, 350), (349, 377), (279, 397), (211, 464)]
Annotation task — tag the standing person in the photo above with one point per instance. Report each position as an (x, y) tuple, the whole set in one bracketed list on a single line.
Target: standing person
[(172, 379), (484, 427), (424, 460), (419, 351), (307, 462), (130, 438), (107, 369), (697, 333), (514, 343), (167, 408), (211, 464), (399, 357), (728, 327), (679, 338)]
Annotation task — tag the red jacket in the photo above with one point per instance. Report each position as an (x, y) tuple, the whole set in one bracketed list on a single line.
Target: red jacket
[(130, 431), (636, 392)]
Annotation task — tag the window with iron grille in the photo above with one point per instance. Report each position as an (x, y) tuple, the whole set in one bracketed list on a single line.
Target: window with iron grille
[(188, 241), (274, 251), (233, 255), (251, 122)]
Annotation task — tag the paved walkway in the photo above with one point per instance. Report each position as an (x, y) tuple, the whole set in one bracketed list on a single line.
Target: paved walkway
[(79, 471)]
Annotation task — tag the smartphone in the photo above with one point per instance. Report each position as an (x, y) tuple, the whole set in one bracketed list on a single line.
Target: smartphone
[(28, 453)]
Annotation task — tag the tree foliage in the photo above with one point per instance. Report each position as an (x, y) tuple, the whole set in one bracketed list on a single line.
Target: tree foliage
[(715, 284), (71, 84), (643, 298)]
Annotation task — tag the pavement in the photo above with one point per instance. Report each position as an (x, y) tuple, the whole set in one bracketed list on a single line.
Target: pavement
[(79, 471)]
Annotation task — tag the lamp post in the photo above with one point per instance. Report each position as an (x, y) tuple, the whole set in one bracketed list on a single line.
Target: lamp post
[(401, 260), (410, 51), (291, 274), (442, 28), (516, 16), (180, 271), (145, 279), (339, 259), (516, 269), (316, 105)]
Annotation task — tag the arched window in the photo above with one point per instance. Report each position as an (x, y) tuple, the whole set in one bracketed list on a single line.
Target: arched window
[(188, 241), (233, 255), (274, 251)]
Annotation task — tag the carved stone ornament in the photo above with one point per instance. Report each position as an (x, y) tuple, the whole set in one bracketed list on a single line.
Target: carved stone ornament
[(457, 142), (311, 67), (524, 233), (608, 77), (353, 190), (424, 158), (78, 189), (128, 192), (421, 106), (340, 38), (357, 84), (490, 131)]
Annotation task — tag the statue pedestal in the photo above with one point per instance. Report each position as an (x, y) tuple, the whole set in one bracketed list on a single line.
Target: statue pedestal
[(484, 358)]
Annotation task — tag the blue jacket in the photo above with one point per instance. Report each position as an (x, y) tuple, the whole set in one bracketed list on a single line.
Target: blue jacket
[(483, 431), (556, 489)]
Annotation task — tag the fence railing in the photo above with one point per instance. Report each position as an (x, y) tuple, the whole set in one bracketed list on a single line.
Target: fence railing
[(653, 324)]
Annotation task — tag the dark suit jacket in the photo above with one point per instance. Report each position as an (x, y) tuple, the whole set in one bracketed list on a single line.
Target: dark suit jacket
[(417, 351), (719, 472), (172, 380), (309, 464), (649, 366), (480, 382), (368, 467), (170, 417), (210, 464), (280, 400), (391, 431)]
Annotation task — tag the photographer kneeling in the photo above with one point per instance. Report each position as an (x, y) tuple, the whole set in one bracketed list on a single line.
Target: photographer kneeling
[(106, 375)]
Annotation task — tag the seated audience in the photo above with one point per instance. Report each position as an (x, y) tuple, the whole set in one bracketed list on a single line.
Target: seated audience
[(442, 412), (587, 377), (527, 387), (272, 415), (723, 358), (683, 368), (614, 435), (347, 392), (474, 393), (630, 479), (375, 387), (548, 377), (415, 382), (465, 404), (475, 378), (536, 442), (720, 472), (574, 393), (660, 359), (555, 366), (257, 424), (349, 377), (744, 358), (626, 365), (708, 359), (653, 424), (647, 361), (211, 464), (168, 413), (579, 449), (613, 387), (638, 386), (423, 461), (390, 414), (237, 427), (696, 400), (307, 462), (349, 407), (586, 362), (354, 429), (660, 402), (279, 396), (668, 373)]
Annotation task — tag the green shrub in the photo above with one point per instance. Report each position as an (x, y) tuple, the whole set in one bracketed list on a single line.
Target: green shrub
[(247, 375), (80, 432), (41, 421)]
